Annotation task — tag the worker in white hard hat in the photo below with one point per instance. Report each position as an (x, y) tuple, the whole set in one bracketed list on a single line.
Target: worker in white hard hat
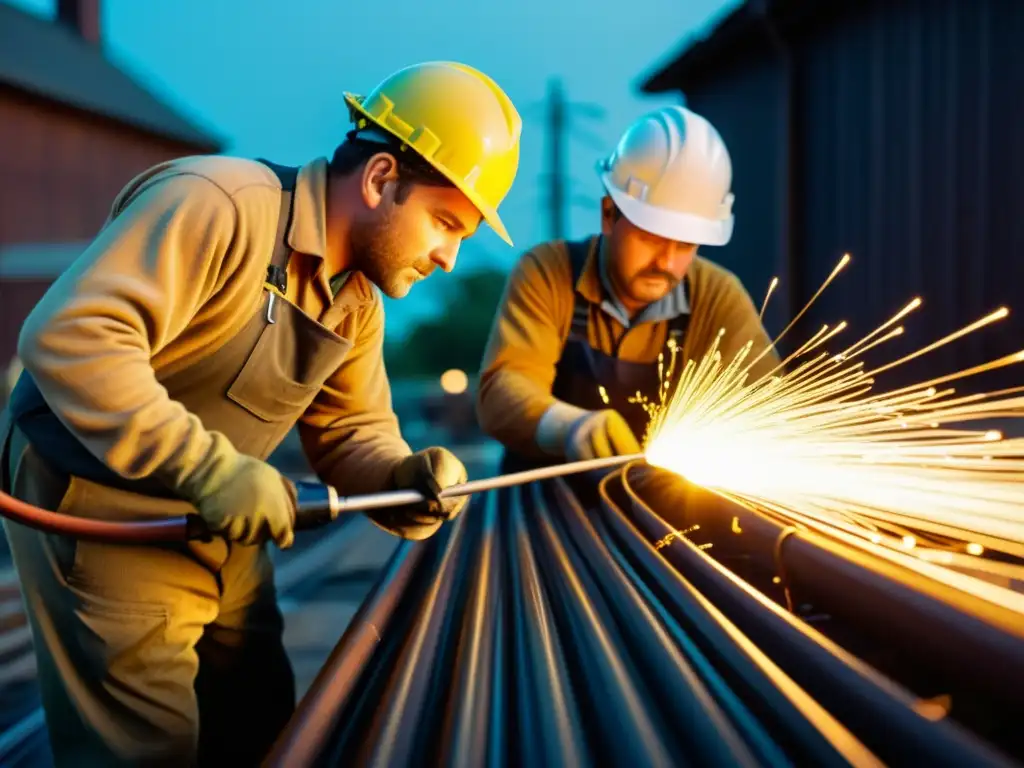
[(224, 302), (581, 324)]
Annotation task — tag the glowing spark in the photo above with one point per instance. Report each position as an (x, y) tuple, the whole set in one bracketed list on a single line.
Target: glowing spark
[(768, 295), (811, 441)]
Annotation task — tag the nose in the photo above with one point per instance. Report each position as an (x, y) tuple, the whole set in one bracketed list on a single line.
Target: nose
[(445, 257), (674, 256)]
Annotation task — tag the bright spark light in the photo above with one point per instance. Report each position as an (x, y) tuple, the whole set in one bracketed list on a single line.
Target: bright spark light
[(811, 442)]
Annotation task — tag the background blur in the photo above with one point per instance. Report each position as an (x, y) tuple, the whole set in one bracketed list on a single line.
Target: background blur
[(93, 92), (891, 131)]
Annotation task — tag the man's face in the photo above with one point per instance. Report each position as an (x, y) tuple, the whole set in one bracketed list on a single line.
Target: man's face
[(643, 267), (408, 235)]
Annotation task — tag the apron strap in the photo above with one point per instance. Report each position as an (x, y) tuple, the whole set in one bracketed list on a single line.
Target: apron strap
[(578, 252), (277, 271), (680, 324)]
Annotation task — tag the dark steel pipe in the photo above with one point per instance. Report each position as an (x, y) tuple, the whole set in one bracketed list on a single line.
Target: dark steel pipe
[(754, 732), (545, 706), (534, 630), (935, 622), (805, 730), (939, 624), (469, 728), (320, 709), (625, 728), (409, 708), (870, 704), (702, 730)]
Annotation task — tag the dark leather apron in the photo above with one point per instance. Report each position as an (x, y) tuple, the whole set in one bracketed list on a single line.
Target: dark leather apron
[(582, 371), (88, 600)]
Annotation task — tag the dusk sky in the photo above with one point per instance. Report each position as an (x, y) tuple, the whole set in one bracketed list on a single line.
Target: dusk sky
[(267, 76)]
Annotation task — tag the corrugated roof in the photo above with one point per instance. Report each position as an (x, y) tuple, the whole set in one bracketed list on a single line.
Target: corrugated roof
[(744, 30), (49, 60)]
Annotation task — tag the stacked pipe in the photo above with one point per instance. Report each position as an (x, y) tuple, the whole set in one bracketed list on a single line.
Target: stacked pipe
[(552, 625)]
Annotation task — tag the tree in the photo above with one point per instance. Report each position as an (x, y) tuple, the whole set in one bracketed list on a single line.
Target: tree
[(455, 338)]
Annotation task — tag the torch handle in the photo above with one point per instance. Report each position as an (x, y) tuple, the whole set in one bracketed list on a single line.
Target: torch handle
[(367, 501), (317, 505)]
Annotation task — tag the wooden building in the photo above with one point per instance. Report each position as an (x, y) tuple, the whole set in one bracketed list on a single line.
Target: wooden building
[(74, 128), (893, 131)]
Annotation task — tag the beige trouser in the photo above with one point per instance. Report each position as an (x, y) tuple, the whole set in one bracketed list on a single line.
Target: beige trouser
[(150, 655)]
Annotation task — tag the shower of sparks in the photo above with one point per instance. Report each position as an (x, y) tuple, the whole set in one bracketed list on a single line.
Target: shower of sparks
[(812, 442)]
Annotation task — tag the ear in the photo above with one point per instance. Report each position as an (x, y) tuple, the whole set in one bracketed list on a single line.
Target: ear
[(379, 171), (609, 214)]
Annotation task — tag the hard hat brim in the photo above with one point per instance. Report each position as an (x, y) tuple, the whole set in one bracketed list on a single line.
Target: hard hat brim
[(672, 225), (489, 214)]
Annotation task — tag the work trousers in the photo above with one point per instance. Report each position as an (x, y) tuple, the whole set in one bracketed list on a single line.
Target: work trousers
[(162, 655)]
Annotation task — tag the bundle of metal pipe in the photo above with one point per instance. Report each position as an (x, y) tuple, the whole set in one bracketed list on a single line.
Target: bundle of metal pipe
[(552, 625)]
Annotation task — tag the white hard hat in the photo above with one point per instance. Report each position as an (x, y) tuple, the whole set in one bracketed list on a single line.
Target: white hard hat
[(670, 175)]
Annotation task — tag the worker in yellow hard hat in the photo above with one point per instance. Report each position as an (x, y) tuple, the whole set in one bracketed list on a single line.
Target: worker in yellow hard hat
[(582, 324), (223, 302)]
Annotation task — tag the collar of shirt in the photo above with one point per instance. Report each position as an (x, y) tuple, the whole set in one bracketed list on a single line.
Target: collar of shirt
[(673, 304), (307, 232), (339, 280)]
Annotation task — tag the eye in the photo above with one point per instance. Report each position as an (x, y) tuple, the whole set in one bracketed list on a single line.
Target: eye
[(445, 224)]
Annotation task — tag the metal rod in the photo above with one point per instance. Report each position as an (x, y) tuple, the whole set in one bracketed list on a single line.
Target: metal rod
[(398, 498), (317, 505)]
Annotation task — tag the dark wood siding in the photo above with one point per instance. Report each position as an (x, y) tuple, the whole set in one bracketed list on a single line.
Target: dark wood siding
[(60, 169), (905, 148)]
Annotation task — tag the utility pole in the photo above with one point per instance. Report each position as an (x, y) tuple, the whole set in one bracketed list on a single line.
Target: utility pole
[(556, 158), (560, 114)]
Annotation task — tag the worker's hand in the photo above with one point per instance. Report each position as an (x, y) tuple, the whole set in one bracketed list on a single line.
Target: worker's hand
[(245, 500), (600, 435), (429, 471)]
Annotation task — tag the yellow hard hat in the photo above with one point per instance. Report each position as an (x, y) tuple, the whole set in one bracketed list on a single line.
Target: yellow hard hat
[(458, 120)]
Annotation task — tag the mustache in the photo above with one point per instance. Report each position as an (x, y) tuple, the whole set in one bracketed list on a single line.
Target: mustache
[(658, 273)]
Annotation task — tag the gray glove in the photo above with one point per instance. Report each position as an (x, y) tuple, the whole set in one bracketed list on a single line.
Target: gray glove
[(599, 435), (429, 471), (245, 500)]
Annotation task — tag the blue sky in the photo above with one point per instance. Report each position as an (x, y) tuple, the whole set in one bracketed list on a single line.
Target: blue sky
[(268, 77)]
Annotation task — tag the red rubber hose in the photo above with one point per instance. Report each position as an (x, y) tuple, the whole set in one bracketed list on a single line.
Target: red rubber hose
[(140, 532)]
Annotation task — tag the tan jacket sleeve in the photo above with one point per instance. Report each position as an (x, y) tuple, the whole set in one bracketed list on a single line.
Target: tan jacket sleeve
[(88, 343), (350, 432), (730, 307), (518, 367)]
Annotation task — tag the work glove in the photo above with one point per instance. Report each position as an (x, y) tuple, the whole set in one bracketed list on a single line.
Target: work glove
[(599, 435), (245, 500), (429, 471)]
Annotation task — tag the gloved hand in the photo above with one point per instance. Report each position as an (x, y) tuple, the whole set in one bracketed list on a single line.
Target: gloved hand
[(599, 435), (244, 499), (429, 471)]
